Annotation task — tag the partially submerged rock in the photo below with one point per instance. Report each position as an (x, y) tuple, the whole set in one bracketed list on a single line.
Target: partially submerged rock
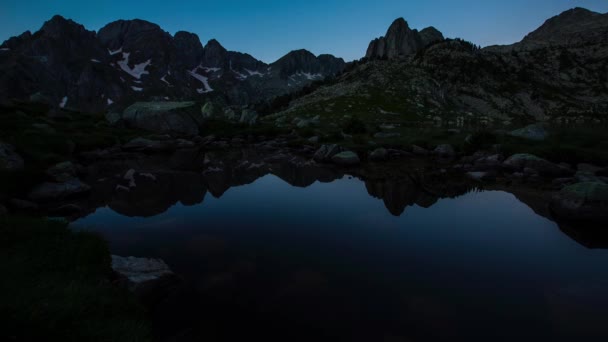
[(445, 150), (181, 118), (379, 154), (481, 176), (346, 158), (50, 191), (326, 152), (9, 159), (419, 151), (586, 201), (62, 172), (147, 145), (145, 277), (528, 162), (532, 132)]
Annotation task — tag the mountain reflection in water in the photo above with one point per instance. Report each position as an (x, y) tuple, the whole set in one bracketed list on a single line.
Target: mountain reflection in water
[(281, 248)]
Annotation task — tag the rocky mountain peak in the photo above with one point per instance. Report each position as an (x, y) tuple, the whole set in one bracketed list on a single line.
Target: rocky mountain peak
[(431, 35), (577, 25), (188, 49), (215, 54), (126, 32), (60, 27), (401, 41)]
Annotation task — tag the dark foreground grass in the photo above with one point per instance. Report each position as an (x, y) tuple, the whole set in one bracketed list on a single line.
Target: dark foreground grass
[(55, 287)]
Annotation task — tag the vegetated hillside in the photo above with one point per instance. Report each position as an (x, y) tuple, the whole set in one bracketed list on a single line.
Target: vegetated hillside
[(454, 82)]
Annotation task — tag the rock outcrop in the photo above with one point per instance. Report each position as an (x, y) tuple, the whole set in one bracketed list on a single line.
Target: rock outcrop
[(587, 201), (181, 118), (400, 41)]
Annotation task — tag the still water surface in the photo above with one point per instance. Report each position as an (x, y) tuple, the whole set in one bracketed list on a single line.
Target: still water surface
[(269, 261)]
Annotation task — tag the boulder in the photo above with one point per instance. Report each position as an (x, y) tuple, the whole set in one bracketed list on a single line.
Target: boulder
[(346, 158), (445, 150), (249, 117), (379, 154), (481, 176), (313, 140), (489, 163), (523, 161), (22, 205), (587, 201), (144, 277), (419, 151), (113, 118), (62, 172), (588, 168), (65, 211), (326, 152), (532, 132), (9, 159), (147, 145), (54, 191), (386, 135), (180, 118)]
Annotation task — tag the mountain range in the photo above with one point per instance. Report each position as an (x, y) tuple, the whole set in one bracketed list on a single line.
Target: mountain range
[(558, 72), (67, 66)]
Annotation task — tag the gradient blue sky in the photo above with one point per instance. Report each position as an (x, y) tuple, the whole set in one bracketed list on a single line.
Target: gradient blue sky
[(268, 29)]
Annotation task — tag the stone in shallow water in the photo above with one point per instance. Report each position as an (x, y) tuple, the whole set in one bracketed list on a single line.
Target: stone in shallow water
[(346, 158), (445, 150), (52, 191), (149, 279), (62, 172), (140, 270), (582, 201), (326, 152), (379, 154), (520, 162)]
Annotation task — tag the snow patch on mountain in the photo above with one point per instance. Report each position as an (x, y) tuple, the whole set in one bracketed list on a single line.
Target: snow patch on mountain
[(209, 69), (95, 60), (115, 52), (204, 80), (137, 88), (138, 69), (165, 80), (110, 101), (254, 72)]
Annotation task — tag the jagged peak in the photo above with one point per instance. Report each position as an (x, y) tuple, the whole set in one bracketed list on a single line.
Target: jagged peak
[(213, 43), (57, 24), (186, 34)]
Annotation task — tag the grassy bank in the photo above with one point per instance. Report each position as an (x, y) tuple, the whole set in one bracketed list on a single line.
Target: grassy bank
[(55, 287)]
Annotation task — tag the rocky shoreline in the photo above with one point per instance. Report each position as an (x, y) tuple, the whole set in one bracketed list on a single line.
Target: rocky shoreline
[(72, 188)]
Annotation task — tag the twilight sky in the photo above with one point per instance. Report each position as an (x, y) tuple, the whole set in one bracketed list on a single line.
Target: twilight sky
[(268, 29)]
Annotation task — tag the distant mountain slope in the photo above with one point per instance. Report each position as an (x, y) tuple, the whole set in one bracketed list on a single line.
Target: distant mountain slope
[(65, 65), (558, 73)]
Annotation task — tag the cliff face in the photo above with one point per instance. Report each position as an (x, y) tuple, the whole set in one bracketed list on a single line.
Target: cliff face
[(401, 41)]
